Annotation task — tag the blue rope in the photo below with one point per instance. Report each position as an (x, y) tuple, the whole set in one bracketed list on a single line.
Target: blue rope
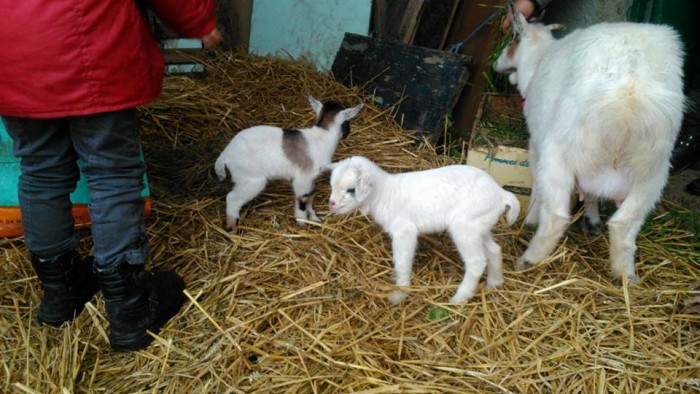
[(455, 48)]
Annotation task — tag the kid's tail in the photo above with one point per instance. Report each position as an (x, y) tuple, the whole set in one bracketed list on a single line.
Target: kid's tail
[(512, 207), (220, 168)]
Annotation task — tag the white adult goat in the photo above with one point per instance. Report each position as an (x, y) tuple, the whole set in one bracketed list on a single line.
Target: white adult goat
[(603, 106), (463, 200), (262, 153)]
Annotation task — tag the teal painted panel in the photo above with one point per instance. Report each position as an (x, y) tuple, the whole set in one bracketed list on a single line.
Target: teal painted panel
[(9, 175), (312, 29)]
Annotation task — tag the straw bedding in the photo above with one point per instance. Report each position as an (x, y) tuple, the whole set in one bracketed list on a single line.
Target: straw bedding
[(284, 309)]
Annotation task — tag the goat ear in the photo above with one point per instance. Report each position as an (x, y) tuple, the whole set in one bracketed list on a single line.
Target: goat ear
[(351, 112), (518, 20), (315, 104), (364, 186)]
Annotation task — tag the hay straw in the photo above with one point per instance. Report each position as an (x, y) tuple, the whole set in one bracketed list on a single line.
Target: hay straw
[(286, 309)]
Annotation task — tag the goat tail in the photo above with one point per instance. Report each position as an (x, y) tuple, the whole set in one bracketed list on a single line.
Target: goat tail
[(512, 207), (220, 168)]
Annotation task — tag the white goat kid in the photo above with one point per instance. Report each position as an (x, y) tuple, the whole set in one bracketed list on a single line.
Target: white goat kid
[(463, 200), (603, 106), (262, 153)]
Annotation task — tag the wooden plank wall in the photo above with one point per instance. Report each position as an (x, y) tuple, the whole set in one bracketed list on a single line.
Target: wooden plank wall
[(401, 20), (434, 23), (417, 22)]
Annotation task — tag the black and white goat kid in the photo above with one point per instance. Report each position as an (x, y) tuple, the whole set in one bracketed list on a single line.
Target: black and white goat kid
[(259, 154)]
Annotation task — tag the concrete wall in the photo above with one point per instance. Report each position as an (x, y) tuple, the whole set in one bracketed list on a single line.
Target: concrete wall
[(312, 29)]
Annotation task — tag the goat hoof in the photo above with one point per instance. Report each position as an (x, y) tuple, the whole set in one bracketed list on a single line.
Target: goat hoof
[(396, 297), (493, 284), (589, 228), (231, 224), (522, 264), (631, 280), (301, 222), (459, 299)]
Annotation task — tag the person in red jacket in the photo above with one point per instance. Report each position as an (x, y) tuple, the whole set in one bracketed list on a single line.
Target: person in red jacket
[(73, 72)]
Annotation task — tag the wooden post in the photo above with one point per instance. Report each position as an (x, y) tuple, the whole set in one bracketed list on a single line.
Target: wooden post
[(238, 18), (469, 15)]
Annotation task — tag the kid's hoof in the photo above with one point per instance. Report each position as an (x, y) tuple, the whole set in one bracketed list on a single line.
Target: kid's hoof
[(396, 297), (231, 224), (493, 284), (460, 299), (631, 280)]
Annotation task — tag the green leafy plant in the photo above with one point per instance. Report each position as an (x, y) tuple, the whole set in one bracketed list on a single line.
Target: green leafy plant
[(437, 313)]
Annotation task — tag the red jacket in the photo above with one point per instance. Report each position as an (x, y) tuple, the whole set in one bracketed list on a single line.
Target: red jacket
[(76, 57)]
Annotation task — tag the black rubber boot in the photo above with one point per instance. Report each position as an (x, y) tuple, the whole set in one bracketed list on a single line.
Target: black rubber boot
[(68, 283), (137, 300)]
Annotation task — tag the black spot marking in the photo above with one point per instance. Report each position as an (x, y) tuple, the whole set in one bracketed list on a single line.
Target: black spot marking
[(309, 194), (303, 199), (295, 147)]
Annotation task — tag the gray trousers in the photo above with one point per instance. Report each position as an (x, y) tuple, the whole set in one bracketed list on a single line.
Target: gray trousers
[(109, 145)]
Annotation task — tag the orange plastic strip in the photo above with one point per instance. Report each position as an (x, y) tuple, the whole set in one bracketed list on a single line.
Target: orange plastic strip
[(11, 219)]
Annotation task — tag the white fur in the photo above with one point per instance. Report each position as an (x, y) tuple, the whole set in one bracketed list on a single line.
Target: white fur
[(603, 106), (463, 200), (255, 156)]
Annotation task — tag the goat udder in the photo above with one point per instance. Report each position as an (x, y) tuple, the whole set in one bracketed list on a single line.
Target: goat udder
[(610, 183)]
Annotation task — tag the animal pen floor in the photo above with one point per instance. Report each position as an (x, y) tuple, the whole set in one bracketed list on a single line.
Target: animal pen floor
[(284, 309)]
